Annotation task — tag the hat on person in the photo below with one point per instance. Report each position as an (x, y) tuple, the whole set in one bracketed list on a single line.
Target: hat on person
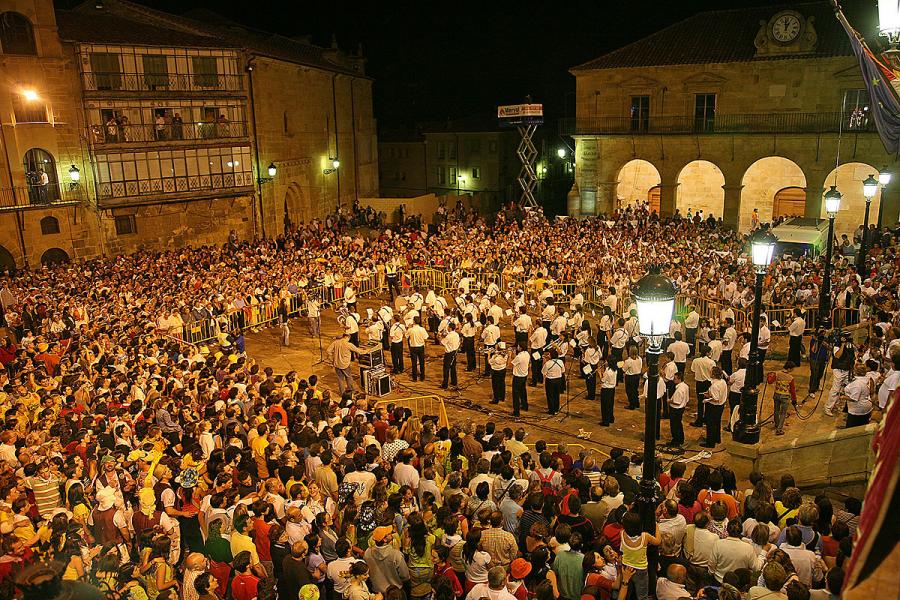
[(382, 532), (520, 568), (187, 479), (109, 458), (309, 592), (43, 347)]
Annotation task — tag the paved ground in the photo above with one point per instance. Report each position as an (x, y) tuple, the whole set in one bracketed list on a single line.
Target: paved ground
[(472, 399)]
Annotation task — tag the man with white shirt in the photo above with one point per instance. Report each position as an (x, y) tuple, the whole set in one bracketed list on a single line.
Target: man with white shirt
[(702, 367), (677, 404), (762, 343), (450, 342), (395, 336), (691, 324), (729, 338), (672, 586), (313, 313), (522, 326), (547, 314), (519, 364), (404, 472), (417, 337), (537, 340), (611, 301), (735, 387), (889, 382), (673, 524), (490, 335), (795, 331), (680, 351), (714, 345), (806, 563)]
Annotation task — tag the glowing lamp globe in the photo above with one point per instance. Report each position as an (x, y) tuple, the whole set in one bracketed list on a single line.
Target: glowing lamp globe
[(655, 297)]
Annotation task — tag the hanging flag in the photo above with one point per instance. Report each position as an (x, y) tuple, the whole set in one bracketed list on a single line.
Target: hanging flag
[(884, 102)]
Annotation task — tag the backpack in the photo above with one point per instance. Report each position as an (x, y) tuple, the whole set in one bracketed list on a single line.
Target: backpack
[(546, 482)]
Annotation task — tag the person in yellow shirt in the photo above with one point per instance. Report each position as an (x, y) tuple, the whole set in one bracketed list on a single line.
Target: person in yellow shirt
[(258, 447)]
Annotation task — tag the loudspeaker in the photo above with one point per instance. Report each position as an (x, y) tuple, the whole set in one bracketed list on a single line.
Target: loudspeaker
[(376, 382)]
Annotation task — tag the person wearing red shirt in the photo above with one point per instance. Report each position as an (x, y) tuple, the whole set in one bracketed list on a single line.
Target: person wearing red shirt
[(440, 555), (245, 583), (261, 528)]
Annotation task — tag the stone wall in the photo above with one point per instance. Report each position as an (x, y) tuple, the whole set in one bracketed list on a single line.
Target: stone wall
[(761, 182), (700, 188), (842, 458), (853, 204), (635, 180)]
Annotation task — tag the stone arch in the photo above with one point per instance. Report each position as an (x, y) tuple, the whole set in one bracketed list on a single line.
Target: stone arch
[(49, 225), (853, 204), (7, 262), (296, 204), (700, 186), (789, 202), (761, 181), (16, 34), (35, 161), (54, 256), (634, 181)]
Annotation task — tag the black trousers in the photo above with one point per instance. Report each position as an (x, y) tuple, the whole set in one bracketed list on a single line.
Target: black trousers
[(702, 388), (676, 427), (714, 423), (417, 358), (725, 361), (433, 323), (762, 364), (385, 341), (536, 375), (449, 369), (469, 347), (691, 338), (392, 285), (519, 394), (632, 392), (590, 382), (680, 366), (857, 420), (554, 388), (498, 384), (607, 402), (795, 349), (522, 338), (397, 356), (734, 402), (816, 370)]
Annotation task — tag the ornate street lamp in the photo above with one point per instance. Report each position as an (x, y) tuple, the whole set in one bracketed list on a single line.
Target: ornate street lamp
[(272, 170), (335, 165), (870, 188), (655, 297), (762, 247), (832, 206), (74, 177)]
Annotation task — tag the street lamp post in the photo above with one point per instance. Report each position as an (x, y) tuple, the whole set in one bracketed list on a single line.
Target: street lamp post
[(832, 205), (762, 245), (870, 188), (655, 298)]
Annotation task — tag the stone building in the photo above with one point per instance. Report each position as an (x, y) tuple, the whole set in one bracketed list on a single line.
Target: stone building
[(124, 127), (402, 164), (730, 111)]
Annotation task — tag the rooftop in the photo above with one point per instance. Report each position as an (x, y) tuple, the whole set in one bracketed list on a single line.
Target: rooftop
[(722, 36)]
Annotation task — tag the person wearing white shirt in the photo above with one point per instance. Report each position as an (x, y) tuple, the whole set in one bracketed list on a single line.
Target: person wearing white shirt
[(677, 404), (490, 335), (795, 344), (608, 380), (632, 368), (497, 362), (520, 364), (673, 524), (859, 398), (714, 405), (417, 337), (735, 387), (691, 324), (558, 325), (537, 341), (522, 325), (702, 368), (350, 297), (889, 384), (680, 351), (386, 315), (314, 316), (714, 345), (806, 563), (468, 331), (612, 301), (554, 371), (375, 330), (699, 542), (731, 553), (397, 331), (660, 398), (590, 358), (451, 343), (728, 340), (762, 343)]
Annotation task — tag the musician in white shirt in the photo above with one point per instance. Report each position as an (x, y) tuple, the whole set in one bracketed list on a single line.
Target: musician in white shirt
[(795, 344), (498, 360), (469, 330), (677, 403), (554, 372), (314, 315), (715, 346), (680, 351), (547, 314), (691, 324), (589, 361), (762, 344), (702, 367), (451, 344), (386, 315), (490, 335), (519, 365), (350, 297), (537, 341), (417, 337), (522, 325), (397, 331), (728, 340), (632, 368), (713, 401), (608, 380)]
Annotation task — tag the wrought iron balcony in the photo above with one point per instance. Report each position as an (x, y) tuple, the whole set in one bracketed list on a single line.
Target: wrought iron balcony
[(224, 182), (37, 196), (162, 82), (781, 122), (169, 132)]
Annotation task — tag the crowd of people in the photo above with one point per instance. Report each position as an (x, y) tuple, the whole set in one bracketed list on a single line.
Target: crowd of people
[(141, 466)]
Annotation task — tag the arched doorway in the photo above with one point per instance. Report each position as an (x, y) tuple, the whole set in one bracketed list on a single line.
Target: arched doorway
[(296, 205), (789, 202), (635, 180), (653, 198), (7, 262), (54, 256), (848, 179), (761, 181), (700, 187), (41, 190)]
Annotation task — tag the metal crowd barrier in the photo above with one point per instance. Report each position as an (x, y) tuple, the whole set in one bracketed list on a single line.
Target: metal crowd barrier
[(421, 406)]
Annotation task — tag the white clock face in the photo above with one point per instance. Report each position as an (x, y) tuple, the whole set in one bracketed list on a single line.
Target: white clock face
[(786, 28)]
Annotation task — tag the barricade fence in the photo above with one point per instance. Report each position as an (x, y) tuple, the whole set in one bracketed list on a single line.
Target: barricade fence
[(420, 406), (447, 282)]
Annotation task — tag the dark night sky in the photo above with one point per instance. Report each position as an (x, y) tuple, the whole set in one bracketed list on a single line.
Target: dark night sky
[(437, 60)]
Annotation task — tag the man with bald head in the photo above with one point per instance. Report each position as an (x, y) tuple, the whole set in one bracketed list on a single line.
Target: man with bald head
[(194, 564), (671, 587)]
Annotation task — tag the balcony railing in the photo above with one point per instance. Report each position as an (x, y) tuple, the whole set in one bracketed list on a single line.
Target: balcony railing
[(123, 134), (36, 196), (720, 123), (174, 185), (162, 82)]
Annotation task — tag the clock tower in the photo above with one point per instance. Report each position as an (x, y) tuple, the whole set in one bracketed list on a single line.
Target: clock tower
[(786, 33)]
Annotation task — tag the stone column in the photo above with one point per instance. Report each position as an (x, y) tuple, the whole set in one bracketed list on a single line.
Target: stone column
[(667, 199), (606, 199), (732, 210), (813, 201)]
